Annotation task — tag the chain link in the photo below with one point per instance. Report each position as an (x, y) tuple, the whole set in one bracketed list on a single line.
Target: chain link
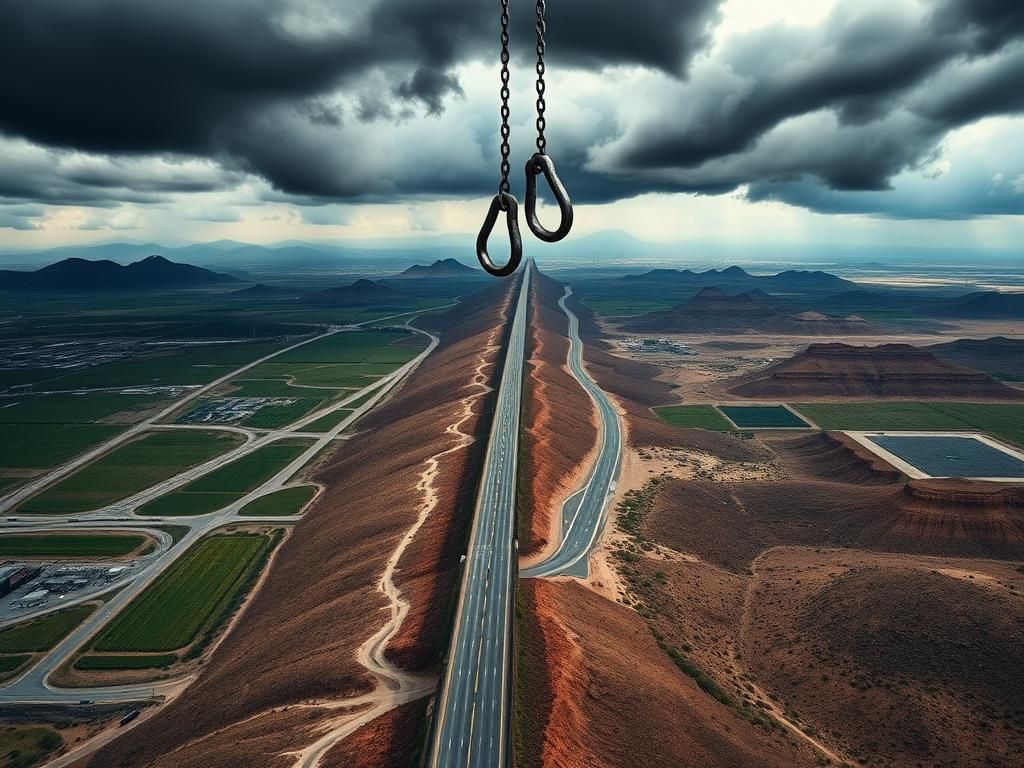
[(541, 85), (503, 186)]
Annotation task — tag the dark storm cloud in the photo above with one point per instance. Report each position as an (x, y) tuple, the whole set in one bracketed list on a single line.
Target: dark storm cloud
[(895, 82), (314, 96)]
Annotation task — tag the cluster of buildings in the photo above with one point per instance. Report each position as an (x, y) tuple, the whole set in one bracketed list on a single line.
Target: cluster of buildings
[(40, 582), (223, 410), (659, 346)]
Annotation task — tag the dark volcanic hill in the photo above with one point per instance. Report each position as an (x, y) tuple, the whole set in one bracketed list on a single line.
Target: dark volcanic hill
[(360, 293), (440, 268), (998, 356), (888, 370), (154, 273), (262, 291), (737, 278), (988, 305), (714, 311)]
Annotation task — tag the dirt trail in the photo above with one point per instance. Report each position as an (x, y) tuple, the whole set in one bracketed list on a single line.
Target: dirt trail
[(396, 687), (774, 709)]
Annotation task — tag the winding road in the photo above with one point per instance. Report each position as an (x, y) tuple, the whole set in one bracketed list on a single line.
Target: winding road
[(585, 512)]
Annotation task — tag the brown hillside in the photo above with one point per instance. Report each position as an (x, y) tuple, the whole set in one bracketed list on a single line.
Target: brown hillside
[(714, 311), (559, 423), (834, 456), (729, 524), (616, 699), (998, 356), (888, 370), (297, 640), (906, 663)]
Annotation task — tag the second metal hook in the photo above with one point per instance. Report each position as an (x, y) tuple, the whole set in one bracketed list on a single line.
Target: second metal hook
[(536, 165)]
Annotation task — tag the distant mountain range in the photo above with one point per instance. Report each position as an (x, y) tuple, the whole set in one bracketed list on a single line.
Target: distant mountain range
[(795, 280), (440, 268), (998, 356), (74, 275), (714, 311)]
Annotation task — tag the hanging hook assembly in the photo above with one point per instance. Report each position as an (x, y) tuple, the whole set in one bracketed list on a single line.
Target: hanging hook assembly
[(535, 166)]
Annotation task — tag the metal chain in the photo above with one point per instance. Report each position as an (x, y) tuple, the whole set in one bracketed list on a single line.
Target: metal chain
[(541, 85), (503, 186)]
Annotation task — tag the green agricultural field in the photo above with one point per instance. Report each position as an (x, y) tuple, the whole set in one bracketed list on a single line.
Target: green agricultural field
[(68, 544), (328, 422), (228, 483), (13, 662), (43, 431), (130, 468), (762, 417), (146, 661), (25, 746), (1003, 421), (188, 599), (277, 416), (74, 409), (42, 446), (395, 347), (183, 365), (694, 417), (43, 633), (287, 501)]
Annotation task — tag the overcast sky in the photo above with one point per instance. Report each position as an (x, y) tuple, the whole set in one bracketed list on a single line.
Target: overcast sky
[(747, 121)]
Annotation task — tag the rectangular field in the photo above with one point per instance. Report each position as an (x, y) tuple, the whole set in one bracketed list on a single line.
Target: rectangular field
[(188, 599), (287, 501), (694, 417), (1002, 421), (146, 661), (68, 544), (951, 455), (43, 633), (763, 417), (228, 483), (130, 468), (384, 346)]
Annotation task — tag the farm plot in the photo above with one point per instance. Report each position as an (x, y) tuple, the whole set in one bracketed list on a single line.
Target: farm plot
[(118, 662), (43, 633), (69, 544), (287, 501), (694, 417), (763, 417), (1002, 421), (183, 365), (228, 483), (328, 422), (130, 468), (192, 597), (43, 431)]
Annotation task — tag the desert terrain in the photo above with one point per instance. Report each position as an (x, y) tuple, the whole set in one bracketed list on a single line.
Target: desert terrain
[(783, 598)]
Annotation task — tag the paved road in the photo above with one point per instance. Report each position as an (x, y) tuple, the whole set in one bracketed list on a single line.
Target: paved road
[(474, 710), (32, 686), (586, 510)]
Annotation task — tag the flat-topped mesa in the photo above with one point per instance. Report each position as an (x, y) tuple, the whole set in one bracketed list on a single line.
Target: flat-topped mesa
[(887, 370), (948, 495)]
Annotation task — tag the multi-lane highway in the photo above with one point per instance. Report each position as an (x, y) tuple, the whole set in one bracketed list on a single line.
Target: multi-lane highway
[(474, 710), (586, 510)]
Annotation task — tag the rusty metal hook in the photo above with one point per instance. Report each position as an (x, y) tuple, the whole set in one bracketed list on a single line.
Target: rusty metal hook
[(536, 165), (503, 201)]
